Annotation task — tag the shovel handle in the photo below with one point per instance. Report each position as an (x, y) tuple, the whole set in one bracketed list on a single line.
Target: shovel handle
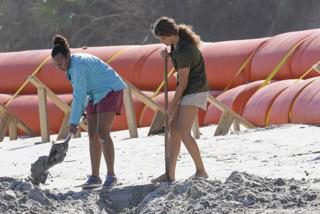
[(68, 138), (166, 119)]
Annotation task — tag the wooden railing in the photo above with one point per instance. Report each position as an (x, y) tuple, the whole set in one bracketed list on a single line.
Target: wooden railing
[(228, 118), (9, 121)]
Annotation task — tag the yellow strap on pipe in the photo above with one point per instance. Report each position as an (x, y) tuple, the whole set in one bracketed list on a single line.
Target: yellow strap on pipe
[(162, 84), (276, 70), (115, 55), (295, 99), (154, 95), (241, 69), (244, 64), (26, 81), (300, 78), (281, 63)]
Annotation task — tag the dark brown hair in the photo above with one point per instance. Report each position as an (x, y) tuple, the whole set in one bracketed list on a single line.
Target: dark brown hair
[(165, 26), (61, 46)]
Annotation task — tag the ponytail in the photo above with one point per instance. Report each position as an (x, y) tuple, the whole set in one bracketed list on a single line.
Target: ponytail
[(165, 26), (186, 33)]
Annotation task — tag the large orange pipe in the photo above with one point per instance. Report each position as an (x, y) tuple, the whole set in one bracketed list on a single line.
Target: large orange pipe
[(142, 66)]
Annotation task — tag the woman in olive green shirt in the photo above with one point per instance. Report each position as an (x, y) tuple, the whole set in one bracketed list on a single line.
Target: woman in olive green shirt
[(191, 91)]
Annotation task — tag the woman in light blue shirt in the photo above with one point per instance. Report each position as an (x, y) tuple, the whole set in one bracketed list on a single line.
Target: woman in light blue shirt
[(98, 90)]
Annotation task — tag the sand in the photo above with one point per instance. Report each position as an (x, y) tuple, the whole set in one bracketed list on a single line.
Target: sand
[(240, 193), (269, 171)]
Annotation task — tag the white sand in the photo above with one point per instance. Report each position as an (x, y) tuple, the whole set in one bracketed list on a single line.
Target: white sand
[(286, 152)]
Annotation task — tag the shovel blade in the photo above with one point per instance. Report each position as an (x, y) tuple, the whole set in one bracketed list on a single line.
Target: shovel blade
[(58, 152)]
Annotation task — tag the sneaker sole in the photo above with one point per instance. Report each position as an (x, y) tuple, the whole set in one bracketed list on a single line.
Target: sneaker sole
[(110, 186), (92, 186)]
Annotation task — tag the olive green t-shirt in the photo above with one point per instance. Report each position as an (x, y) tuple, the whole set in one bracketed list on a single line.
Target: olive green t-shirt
[(187, 55)]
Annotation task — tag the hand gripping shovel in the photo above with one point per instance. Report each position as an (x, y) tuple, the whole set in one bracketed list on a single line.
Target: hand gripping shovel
[(39, 169)]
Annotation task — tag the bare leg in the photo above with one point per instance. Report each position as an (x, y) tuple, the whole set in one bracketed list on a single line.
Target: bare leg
[(105, 121), (187, 115), (95, 148), (174, 149), (174, 145)]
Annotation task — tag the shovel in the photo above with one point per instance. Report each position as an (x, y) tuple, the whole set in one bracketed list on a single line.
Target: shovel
[(166, 119), (58, 151)]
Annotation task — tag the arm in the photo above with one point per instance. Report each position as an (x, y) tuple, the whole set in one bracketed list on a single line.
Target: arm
[(79, 85)]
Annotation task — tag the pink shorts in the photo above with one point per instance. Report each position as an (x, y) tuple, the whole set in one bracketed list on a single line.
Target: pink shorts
[(112, 102)]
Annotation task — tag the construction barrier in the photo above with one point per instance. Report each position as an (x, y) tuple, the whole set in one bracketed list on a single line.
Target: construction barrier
[(256, 78)]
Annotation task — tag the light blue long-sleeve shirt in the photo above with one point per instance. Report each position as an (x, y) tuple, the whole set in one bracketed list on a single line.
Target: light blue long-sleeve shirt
[(91, 79)]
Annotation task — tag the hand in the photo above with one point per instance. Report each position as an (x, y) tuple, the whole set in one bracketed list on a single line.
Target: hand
[(164, 53), (73, 128), (84, 119)]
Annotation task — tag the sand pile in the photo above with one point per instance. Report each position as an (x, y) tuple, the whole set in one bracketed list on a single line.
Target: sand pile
[(17, 197), (240, 193)]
